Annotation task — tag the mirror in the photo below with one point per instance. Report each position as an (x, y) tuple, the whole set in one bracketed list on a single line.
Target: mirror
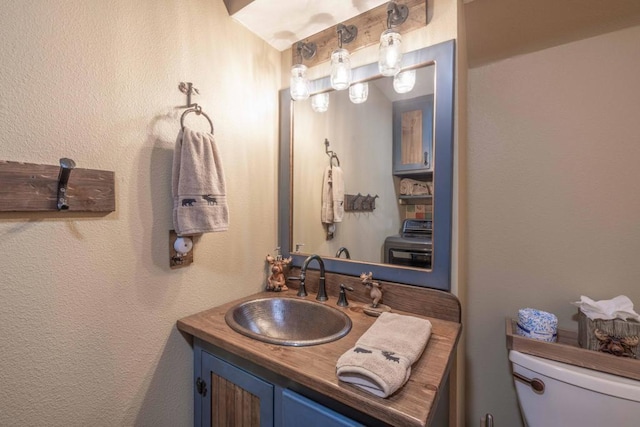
[(361, 136)]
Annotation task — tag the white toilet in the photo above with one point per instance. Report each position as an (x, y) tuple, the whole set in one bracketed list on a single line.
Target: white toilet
[(573, 396)]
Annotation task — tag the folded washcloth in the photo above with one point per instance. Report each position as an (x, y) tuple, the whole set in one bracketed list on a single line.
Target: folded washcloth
[(326, 214), (381, 360), (337, 193), (198, 185)]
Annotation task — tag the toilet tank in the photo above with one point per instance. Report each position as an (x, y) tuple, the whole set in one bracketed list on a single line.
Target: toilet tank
[(574, 396)]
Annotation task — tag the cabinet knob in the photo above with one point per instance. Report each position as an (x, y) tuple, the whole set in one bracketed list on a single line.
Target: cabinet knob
[(426, 158)]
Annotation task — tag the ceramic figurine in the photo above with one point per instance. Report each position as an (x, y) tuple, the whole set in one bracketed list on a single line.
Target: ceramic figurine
[(277, 281), (375, 292)]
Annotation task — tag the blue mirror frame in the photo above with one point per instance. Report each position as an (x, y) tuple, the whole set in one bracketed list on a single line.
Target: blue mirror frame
[(439, 277)]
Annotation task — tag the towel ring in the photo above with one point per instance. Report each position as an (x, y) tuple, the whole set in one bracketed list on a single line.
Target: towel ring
[(198, 110)]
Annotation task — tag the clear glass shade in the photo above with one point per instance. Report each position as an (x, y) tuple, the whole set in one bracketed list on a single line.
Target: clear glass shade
[(299, 83), (340, 69), (390, 53), (405, 81), (320, 102), (359, 92)]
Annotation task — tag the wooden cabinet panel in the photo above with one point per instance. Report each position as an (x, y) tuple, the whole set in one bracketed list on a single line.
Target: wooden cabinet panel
[(234, 398), (413, 135)]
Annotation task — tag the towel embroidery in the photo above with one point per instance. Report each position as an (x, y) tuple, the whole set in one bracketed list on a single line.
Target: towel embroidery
[(211, 200), (188, 202), (361, 350), (389, 356)]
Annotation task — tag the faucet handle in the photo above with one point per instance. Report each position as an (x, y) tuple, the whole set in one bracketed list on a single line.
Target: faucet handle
[(342, 299), (302, 290)]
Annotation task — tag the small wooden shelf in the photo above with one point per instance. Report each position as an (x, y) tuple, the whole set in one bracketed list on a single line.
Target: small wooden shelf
[(567, 350)]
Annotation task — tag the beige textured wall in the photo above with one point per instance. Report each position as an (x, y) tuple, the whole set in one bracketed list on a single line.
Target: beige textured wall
[(88, 305), (552, 196)]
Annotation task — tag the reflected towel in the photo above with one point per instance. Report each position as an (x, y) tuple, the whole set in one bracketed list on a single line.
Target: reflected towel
[(198, 185), (326, 213), (337, 193), (381, 360)]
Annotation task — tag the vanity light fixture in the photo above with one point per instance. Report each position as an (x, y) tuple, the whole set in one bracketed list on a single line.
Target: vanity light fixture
[(320, 102), (405, 81), (359, 92), (340, 59), (390, 51), (299, 82)]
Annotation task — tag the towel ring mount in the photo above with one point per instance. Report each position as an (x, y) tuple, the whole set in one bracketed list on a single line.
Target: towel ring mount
[(188, 89)]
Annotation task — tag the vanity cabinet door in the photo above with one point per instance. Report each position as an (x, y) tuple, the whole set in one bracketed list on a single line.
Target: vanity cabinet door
[(413, 135), (298, 411), (231, 396)]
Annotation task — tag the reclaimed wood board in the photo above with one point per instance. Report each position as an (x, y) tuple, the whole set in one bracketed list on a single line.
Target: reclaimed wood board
[(28, 187), (567, 350), (370, 25)]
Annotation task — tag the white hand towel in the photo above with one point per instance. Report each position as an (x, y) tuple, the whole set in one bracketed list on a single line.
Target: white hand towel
[(381, 360), (337, 189), (326, 213), (198, 185)]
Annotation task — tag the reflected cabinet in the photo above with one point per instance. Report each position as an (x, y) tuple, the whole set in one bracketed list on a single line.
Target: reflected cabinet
[(413, 135)]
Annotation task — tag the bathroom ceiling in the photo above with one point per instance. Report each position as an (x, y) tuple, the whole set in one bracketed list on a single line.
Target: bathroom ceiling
[(495, 29), (281, 23)]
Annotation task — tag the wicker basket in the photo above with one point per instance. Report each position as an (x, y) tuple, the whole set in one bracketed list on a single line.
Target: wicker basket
[(617, 337)]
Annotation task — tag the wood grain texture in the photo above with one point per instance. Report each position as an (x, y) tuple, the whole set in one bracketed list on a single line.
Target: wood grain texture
[(314, 367), (231, 405), (370, 25), (32, 187), (413, 299), (568, 351), (411, 137)]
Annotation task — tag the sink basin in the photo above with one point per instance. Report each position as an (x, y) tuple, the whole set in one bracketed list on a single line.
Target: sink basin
[(288, 321)]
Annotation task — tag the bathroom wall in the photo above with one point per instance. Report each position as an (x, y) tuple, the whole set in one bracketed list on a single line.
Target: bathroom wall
[(88, 304), (553, 204)]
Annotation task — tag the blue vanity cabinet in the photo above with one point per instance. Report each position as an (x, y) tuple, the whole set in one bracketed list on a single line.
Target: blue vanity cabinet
[(297, 411), (227, 394), (413, 136)]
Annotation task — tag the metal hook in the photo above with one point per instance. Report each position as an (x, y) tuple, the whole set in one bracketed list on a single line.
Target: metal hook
[(66, 165)]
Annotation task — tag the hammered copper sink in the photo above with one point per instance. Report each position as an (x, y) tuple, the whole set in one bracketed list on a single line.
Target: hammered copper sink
[(288, 321)]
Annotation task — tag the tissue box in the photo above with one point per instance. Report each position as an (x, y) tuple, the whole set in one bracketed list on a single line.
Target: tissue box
[(617, 337)]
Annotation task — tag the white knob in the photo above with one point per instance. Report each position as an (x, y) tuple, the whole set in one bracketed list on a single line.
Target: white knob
[(183, 245)]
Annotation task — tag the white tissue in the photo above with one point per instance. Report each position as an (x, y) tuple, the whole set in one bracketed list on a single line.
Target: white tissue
[(619, 307)]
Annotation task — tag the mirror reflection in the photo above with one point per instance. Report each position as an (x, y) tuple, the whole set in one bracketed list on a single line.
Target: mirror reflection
[(384, 148)]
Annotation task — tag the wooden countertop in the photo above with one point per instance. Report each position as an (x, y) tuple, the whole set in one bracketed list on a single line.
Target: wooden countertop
[(314, 367)]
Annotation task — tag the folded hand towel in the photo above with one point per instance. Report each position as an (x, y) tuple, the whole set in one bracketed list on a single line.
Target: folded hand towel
[(198, 185), (337, 190), (381, 360), (326, 213)]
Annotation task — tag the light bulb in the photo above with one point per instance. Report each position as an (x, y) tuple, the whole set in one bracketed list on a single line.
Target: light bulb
[(320, 102), (405, 81), (340, 69), (390, 53), (299, 84), (359, 92)]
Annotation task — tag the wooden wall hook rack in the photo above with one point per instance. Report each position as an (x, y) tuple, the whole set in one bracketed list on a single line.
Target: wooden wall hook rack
[(28, 187)]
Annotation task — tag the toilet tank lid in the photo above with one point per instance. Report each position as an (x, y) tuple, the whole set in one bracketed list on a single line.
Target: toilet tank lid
[(597, 381)]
